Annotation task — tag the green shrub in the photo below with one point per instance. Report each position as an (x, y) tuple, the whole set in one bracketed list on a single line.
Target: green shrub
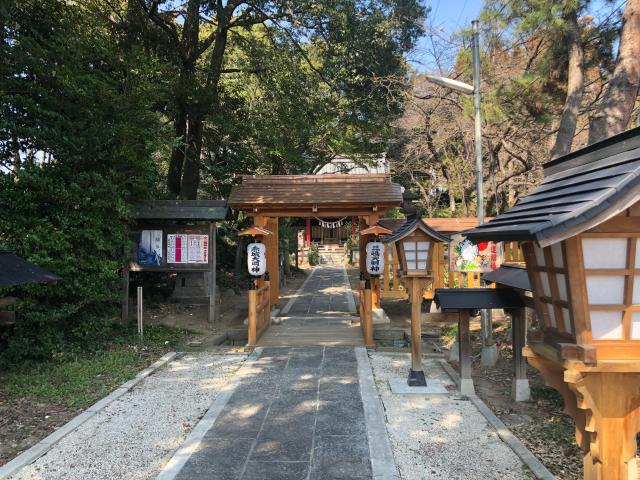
[(75, 125), (314, 255)]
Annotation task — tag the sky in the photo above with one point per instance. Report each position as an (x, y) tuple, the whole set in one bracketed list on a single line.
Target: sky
[(450, 16)]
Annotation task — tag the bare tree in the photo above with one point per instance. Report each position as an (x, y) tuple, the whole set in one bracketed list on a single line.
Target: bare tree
[(614, 112), (575, 86)]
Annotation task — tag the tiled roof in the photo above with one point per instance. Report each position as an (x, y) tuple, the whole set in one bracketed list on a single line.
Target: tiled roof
[(322, 190), (578, 192), (415, 224), (15, 270), (196, 210), (443, 225)]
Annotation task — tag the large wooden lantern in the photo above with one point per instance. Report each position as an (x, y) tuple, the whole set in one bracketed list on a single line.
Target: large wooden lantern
[(580, 233), (414, 242)]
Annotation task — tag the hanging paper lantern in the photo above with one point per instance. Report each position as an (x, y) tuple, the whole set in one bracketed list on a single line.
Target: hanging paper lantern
[(256, 259), (375, 258)]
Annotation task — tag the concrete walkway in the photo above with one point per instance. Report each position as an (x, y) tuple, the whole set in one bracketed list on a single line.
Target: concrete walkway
[(321, 313), (298, 414)]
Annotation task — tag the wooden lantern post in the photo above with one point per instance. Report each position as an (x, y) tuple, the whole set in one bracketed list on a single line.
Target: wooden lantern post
[(259, 301), (415, 242), (581, 237)]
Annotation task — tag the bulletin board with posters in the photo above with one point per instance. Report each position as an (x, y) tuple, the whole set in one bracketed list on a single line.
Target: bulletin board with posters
[(175, 236), (171, 248)]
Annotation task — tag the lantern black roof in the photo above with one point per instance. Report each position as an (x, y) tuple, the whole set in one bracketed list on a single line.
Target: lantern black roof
[(185, 210), (410, 226), (579, 191), (514, 276), (476, 298), (15, 270)]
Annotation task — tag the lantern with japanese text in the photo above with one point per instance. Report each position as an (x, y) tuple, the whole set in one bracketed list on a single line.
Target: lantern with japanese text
[(375, 258), (580, 233), (256, 259)]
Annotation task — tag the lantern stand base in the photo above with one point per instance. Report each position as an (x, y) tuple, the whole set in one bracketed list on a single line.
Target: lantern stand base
[(399, 386), (416, 378)]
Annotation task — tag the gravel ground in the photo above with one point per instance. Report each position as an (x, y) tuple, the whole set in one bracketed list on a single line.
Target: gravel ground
[(443, 436), (133, 437)]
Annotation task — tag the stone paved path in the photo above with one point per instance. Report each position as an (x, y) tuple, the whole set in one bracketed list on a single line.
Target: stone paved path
[(298, 415), (326, 292), (322, 313)]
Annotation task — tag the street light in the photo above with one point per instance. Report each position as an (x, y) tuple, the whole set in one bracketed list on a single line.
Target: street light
[(489, 352), (474, 90)]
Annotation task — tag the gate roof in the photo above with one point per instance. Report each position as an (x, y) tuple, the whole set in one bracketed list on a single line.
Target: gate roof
[(304, 195)]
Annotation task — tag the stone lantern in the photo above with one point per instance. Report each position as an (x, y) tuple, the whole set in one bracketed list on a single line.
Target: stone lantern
[(580, 233), (415, 242)]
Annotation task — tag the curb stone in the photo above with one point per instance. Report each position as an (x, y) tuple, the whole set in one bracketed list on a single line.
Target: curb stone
[(382, 462), (525, 455), (43, 446)]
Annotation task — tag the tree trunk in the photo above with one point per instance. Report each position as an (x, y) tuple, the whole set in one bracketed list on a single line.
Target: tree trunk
[(617, 105), (174, 175), (575, 87), (237, 266), (191, 168)]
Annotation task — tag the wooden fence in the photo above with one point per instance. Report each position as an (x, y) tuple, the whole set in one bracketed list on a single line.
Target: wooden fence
[(259, 314)]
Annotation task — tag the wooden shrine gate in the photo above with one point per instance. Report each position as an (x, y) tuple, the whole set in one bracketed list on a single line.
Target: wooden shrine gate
[(266, 198)]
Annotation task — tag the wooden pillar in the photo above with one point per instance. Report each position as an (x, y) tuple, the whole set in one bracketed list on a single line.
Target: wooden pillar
[(375, 291), (267, 308), (307, 232), (520, 391), (416, 325), (611, 401), (464, 340), (367, 326), (361, 298), (125, 295), (271, 243), (362, 249), (252, 334), (212, 272)]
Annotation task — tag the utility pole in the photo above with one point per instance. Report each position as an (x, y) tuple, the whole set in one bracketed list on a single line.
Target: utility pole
[(478, 126)]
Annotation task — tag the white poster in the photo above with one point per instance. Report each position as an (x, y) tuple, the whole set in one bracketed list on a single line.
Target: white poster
[(198, 248), (177, 248), (150, 248)]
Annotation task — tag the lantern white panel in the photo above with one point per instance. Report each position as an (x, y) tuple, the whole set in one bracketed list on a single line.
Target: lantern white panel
[(423, 255), (411, 265), (546, 289), (604, 252), (561, 280), (552, 315), (539, 255), (422, 265), (566, 317), (635, 326), (556, 253), (606, 325), (605, 289), (636, 289), (410, 255), (424, 246)]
